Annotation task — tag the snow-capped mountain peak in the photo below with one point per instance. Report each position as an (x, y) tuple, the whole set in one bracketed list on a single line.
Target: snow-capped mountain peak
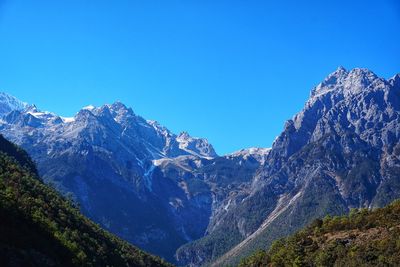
[(34, 111), (183, 136), (9, 103)]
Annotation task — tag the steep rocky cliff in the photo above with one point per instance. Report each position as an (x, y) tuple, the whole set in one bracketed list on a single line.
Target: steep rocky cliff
[(340, 152)]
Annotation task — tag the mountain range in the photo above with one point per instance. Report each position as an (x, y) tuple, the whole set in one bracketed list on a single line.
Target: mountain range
[(134, 177), (172, 195)]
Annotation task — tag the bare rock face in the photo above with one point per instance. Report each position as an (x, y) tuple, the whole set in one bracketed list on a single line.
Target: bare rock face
[(340, 152)]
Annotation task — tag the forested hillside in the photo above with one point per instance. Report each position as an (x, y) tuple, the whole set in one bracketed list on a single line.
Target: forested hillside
[(363, 238), (38, 227)]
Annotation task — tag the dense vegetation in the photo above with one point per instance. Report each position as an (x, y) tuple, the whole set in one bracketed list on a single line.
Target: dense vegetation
[(363, 238), (38, 227)]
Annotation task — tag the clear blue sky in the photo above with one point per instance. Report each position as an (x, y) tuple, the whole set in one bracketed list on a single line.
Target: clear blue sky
[(231, 71)]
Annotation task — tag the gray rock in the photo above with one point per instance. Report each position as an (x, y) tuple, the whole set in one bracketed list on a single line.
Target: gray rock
[(340, 152)]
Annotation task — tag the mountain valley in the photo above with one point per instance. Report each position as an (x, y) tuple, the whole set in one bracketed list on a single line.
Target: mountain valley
[(173, 196)]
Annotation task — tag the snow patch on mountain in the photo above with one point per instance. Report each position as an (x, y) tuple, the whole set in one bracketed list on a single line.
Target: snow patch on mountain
[(67, 119), (89, 107)]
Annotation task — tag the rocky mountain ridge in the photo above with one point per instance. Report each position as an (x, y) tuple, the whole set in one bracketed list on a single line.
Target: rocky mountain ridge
[(133, 176)]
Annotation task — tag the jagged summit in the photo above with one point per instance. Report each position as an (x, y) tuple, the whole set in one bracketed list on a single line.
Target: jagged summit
[(346, 82), (195, 146), (350, 98), (341, 68), (116, 120), (184, 135), (117, 105), (395, 80)]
